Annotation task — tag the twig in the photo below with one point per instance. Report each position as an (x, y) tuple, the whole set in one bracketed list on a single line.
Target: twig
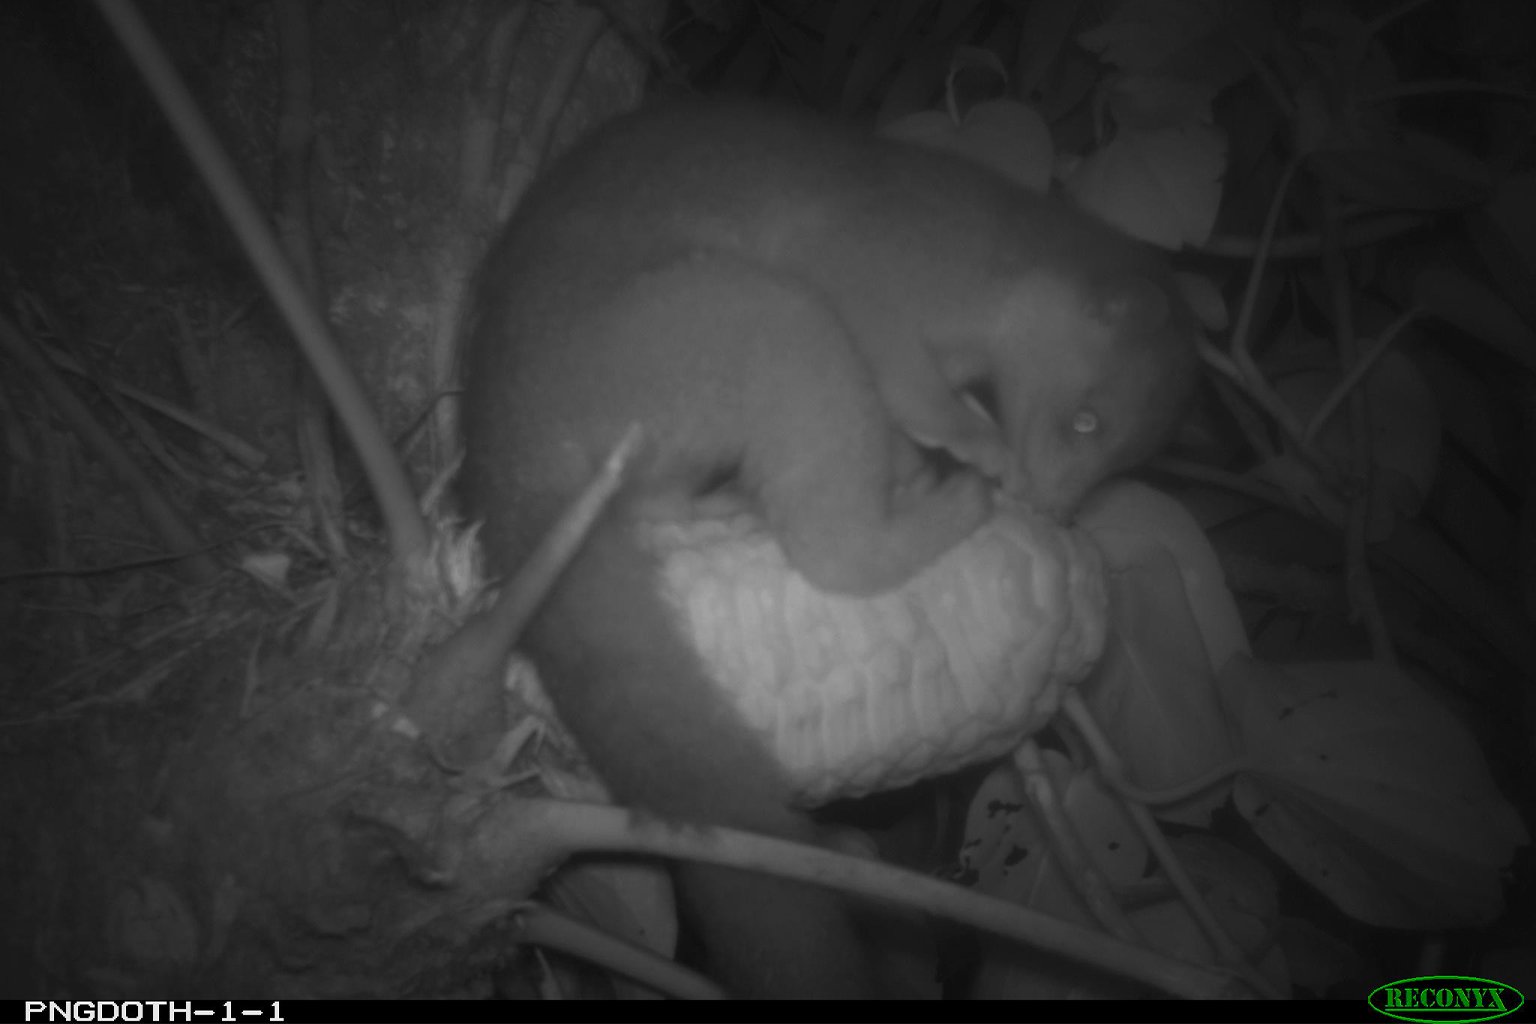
[(583, 828), (1078, 714), (543, 926), (407, 531), (587, 27), (1091, 885)]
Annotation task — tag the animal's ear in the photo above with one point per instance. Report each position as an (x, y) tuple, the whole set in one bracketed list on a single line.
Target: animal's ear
[(1132, 300)]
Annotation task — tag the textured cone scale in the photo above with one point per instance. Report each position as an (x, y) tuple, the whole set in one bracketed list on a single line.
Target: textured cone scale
[(858, 694)]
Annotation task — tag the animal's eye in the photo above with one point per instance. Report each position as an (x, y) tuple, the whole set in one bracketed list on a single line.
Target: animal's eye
[(981, 395), (1085, 421)]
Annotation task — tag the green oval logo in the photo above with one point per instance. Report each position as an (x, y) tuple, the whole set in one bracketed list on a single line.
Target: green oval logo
[(1438, 998)]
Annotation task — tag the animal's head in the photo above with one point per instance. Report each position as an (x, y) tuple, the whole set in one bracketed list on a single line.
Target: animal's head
[(1085, 380)]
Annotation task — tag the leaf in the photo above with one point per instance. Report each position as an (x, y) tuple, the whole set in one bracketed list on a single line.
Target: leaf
[(949, 23), (1047, 24), (1113, 843), (1204, 299), (1469, 305), (1301, 484), (1366, 887), (1241, 894), (1318, 959), (751, 64), (1160, 186), (1007, 854), (1468, 416), (632, 901), (1148, 102), (1469, 510), (720, 14), (937, 61), (1132, 523), (1505, 234), (796, 53), (1006, 849), (1405, 426), (1420, 173), (1143, 35), (916, 85), (1241, 890), (846, 22), (1405, 433), (975, 75), (1372, 791), (886, 40), (1153, 693)]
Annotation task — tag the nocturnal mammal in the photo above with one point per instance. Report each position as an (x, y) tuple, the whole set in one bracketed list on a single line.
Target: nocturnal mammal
[(856, 339)]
